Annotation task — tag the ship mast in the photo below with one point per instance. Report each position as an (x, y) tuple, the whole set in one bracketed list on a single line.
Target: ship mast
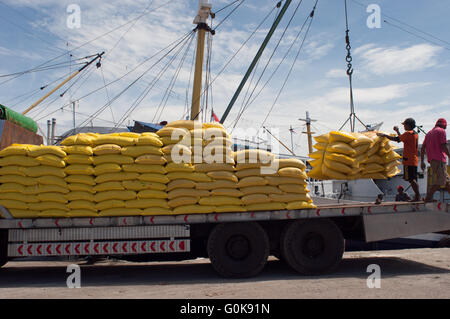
[(204, 12)]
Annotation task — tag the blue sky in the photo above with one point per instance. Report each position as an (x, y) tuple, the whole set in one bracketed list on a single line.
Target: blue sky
[(396, 74)]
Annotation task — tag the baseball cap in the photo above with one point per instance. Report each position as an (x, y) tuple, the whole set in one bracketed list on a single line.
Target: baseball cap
[(399, 187), (410, 121), (441, 123)]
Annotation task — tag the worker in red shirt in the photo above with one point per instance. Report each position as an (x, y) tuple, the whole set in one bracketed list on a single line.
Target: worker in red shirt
[(435, 146), (410, 140)]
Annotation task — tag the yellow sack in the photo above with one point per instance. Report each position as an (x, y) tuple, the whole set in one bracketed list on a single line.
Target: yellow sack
[(136, 151), (20, 197), (373, 159), (337, 166), (24, 213), (290, 197), (243, 166), (374, 148), (219, 141), (143, 168), (292, 172), (253, 156), (15, 150), (178, 149), (144, 203), (214, 167), (167, 140), (156, 211), (226, 192), (53, 213), (107, 204), (126, 134), (341, 158), (152, 177), (13, 204), (179, 167), (78, 139), (79, 169), (173, 132), (48, 206), (373, 168), (151, 159), (110, 139), (51, 160), (180, 183), (213, 125), (13, 170), (294, 188), (252, 181), (342, 148), (339, 136), (361, 149), (391, 156), (255, 199), (181, 201), (361, 140), (35, 151), (107, 149), (216, 184), (230, 209), (316, 173), (78, 159), (260, 190), (332, 174), (229, 176), (75, 187), (19, 160), (107, 168), (194, 176), (320, 146), (120, 212), (45, 171), (391, 165), (300, 205), (194, 209), (85, 196), (255, 172), (79, 149), (212, 133), (39, 189), (182, 192), (108, 186), (324, 138), (149, 140), (52, 197), (187, 124), (393, 171), (108, 195), (26, 181), (116, 159), (82, 179), (277, 180), (151, 193), (266, 206), (290, 162), (82, 213), (316, 155), (220, 201), (112, 177), (141, 185), (11, 188)]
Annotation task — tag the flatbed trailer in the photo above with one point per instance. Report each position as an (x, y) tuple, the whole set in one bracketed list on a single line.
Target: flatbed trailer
[(311, 241)]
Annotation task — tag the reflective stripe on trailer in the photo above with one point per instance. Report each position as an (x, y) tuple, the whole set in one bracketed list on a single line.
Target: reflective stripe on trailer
[(98, 248)]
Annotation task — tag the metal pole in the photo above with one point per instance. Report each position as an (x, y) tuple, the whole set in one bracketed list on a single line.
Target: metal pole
[(73, 114), (53, 130), (49, 125), (255, 60)]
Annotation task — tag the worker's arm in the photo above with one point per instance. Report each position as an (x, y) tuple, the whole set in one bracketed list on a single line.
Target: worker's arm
[(422, 157), (392, 138), (445, 149)]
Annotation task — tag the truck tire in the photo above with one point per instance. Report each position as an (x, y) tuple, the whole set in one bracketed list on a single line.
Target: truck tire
[(238, 250), (3, 247), (312, 247)]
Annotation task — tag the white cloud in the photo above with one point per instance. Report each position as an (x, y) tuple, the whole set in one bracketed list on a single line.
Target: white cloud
[(394, 60)]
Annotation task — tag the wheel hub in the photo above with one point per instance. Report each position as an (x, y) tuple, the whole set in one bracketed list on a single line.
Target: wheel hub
[(238, 247), (312, 245)]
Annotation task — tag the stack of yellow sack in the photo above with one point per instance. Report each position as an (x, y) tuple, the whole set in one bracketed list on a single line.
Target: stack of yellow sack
[(271, 184), (32, 181), (348, 156)]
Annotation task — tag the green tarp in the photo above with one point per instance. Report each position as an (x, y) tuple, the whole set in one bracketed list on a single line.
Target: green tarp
[(17, 118)]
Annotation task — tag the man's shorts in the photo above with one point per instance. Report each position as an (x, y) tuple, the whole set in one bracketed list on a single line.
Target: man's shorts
[(409, 173), (439, 174)]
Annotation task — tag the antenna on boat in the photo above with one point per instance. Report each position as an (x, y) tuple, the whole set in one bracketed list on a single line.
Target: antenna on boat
[(204, 11), (308, 132), (352, 117)]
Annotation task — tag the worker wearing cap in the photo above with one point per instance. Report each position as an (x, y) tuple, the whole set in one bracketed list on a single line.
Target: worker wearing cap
[(410, 140), (435, 146), (401, 195)]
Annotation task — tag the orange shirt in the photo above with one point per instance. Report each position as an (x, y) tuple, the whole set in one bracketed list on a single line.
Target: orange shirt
[(410, 141)]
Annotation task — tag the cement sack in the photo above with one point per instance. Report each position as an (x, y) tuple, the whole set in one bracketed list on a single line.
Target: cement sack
[(48, 206), (292, 172), (230, 209), (151, 193), (19, 160), (141, 185), (51, 160), (81, 204), (107, 149), (277, 180), (108, 186), (52, 197), (78, 139), (144, 203), (35, 151), (110, 139), (194, 209), (26, 181), (108, 195), (180, 183), (79, 169), (179, 167), (255, 199), (14, 204), (115, 159), (223, 175), (260, 190), (108, 204), (214, 167), (50, 213), (300, 205), (149, 140), (78, 187), (182, 201), (13, 170), (82, 179), (39, 189), (183, 192), (152, 177), (85, 196), (15, 150), (290, 197), (112, 177), (216, 184), (252, 181), (136, 151), (79, 149), (151, 159), (144, 168), (20, 197), (74, 213), (195, 176), (220, 201), (79, 159), (294, 188), (149, 211), (232, 192), (107, 168)]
